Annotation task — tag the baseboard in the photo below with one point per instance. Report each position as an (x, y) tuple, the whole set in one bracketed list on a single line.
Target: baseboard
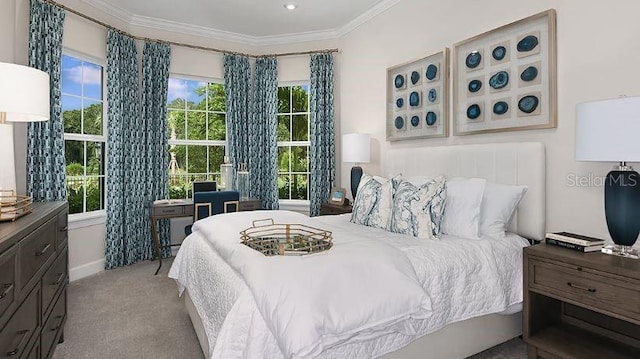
[(86, 270)]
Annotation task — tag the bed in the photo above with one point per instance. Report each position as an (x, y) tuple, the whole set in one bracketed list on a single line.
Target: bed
[(475, 287)]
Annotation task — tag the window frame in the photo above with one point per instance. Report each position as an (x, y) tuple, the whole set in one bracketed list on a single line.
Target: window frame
[(202, 143), (95, 217), (297, 204)]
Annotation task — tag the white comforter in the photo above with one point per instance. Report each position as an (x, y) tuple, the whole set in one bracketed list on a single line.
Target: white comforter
[(372, 293)]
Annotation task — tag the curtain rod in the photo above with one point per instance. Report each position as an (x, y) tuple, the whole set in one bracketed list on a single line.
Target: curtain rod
[(103, 24)]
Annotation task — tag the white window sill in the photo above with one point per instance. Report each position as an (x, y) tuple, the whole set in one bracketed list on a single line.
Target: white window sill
[(81, 220), (296, 205)]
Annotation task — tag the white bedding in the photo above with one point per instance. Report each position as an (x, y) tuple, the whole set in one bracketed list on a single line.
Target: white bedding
[(462, 278)]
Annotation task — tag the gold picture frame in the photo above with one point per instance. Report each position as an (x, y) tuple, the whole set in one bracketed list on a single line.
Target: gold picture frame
[(524, 53)]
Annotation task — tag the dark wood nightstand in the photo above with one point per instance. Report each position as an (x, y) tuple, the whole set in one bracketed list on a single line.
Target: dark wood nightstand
[(331, 209), (580, 305)]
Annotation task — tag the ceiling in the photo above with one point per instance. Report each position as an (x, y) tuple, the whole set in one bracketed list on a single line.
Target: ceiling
[(252, 19)]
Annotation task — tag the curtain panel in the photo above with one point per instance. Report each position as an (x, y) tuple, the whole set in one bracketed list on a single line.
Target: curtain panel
[(126, 227), (322, 151), (237, 80), (46, 177), (263, 146), (156, 58)]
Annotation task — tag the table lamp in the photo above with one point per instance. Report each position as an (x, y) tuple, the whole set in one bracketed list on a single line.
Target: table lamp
[(24, 97), (606, 131), (356, 148)]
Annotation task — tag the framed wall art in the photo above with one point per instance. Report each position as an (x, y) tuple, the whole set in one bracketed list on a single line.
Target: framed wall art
[(418, 98), (505, 79)]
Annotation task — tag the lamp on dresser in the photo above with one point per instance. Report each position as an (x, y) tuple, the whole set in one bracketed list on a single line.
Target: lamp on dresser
[(356, 148), (24, 97), (606, 131)]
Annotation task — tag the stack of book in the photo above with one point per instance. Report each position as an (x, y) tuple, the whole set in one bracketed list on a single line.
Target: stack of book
[(574, 241)]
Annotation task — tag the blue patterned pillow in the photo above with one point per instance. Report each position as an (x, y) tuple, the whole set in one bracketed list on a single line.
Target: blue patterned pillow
[(366, 198), (418, 211)]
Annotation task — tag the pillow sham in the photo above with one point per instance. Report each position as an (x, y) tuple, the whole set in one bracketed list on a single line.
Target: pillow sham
[(462, 213), (418, 211), (373, 203), (499, 203)]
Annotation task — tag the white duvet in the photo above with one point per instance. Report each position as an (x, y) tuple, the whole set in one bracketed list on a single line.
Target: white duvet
[(372, 293)]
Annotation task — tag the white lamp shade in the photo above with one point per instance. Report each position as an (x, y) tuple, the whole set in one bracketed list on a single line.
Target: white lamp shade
[(608, 130), (24, 93), (356, 148)]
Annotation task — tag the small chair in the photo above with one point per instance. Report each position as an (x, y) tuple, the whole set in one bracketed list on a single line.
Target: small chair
[(209, 203)]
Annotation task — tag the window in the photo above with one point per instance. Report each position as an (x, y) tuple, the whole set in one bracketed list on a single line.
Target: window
[(293, 142), (83, 117), (196, 121)]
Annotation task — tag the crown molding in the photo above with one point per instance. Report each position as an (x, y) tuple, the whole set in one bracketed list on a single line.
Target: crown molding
[(110, 9), (257, 41)]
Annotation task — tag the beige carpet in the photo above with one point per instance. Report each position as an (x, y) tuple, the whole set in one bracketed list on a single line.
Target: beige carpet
[(130, 313)]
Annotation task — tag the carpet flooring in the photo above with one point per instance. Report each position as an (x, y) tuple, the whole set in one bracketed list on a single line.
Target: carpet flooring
[(130, 313)]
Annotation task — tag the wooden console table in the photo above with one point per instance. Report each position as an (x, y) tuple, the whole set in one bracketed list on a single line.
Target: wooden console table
[(183, 209)]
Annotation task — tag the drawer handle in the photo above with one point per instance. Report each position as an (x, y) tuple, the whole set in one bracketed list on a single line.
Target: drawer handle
[(23, 336), (58, 325), (59, 280), (63, 229), (590, 290), (44, 250), (7, 288)]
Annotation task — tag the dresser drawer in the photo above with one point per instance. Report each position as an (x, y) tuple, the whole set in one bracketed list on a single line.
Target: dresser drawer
[(35, 351), (63, 225), (21, 327), (167, 211), (607, 292), (54, 278), (7, 280), (53, 325), (35, 249)]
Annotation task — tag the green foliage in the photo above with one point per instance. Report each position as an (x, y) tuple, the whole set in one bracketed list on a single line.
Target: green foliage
[(293, 161)]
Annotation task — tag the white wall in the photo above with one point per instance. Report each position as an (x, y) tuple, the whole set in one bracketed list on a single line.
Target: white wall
[(598, 56)]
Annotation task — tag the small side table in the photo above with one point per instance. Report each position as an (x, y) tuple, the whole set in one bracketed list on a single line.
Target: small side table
[(332, 209)]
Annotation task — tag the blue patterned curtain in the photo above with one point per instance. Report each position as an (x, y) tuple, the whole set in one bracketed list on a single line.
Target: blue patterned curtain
[(126, 225), (322, 152), (156, 58), (46, 178), (237, 77), (263, 148)]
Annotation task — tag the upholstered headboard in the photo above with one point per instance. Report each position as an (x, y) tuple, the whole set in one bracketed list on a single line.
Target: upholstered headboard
[(506, 163)]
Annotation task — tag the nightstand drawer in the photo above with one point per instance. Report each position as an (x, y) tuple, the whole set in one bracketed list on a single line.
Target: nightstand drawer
[(606, 292), (167, 211)]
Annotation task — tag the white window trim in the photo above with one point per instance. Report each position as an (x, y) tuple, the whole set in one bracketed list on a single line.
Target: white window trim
[(87, 219), (91, 218)]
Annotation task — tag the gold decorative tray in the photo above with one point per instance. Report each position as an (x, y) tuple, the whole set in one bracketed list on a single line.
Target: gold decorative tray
[(13, 206), (273, 239)]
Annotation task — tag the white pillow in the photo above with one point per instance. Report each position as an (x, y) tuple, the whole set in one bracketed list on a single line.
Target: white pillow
[(462, 212), (499, 203)]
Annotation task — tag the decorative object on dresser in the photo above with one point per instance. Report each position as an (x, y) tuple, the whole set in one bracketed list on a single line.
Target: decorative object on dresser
[(505, 79), (242, 182), (13, 206), (338, 196), (226, 175), (24, 97), (574, 241), (356, 148), (580, 305), (33, 277), (418, 98), (331, 209), (605, 132)]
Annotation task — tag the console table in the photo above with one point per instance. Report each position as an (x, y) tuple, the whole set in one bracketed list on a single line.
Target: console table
[(180, 209)]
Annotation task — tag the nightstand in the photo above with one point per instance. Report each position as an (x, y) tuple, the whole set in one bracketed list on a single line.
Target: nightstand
[(580, 305), (331, 209)]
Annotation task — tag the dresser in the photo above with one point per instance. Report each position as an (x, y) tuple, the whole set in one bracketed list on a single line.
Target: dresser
[(580, 305), (33, 277)]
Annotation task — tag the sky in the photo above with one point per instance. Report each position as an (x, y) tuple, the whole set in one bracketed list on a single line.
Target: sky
[(74, 72)]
